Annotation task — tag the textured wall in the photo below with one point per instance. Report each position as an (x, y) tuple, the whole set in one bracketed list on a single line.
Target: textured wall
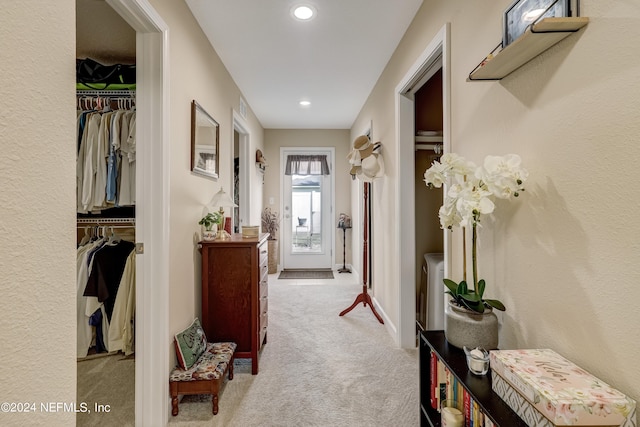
[(196, 72), (564, 257), (37, 209)]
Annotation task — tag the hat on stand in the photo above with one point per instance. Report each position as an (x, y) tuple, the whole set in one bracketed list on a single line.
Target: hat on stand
[(366, 159)]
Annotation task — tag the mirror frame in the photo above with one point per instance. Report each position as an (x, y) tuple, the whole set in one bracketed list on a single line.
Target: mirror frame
[(204, 146)]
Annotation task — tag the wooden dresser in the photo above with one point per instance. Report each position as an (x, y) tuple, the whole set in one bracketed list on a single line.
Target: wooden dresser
[(234, 293)]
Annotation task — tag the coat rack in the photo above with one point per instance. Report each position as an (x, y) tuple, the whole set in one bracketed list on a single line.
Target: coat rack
[(364, 297)]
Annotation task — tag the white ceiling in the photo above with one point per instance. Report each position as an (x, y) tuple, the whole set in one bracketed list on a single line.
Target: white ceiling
[(333, 60)]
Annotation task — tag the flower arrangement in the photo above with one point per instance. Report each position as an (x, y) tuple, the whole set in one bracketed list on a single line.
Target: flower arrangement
[(470, 195), (270, 223)]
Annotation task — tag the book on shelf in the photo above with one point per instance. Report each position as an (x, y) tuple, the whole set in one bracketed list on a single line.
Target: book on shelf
[(448, 380), (442, 384), (460, 398), (433, 385), (467, 412)]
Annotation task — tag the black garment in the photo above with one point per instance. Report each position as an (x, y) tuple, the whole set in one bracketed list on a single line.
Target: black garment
[(96, 320), (104, 279)]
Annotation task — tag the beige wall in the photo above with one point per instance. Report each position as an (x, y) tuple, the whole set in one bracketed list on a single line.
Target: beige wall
[(37, 209), (196, 72), (563, 258), (274, 139)]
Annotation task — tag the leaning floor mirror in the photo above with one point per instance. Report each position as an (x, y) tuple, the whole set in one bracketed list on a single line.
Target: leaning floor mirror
[(205, 142)]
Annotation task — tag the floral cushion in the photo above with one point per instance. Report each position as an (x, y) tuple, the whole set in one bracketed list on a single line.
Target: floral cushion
[(190, 344), (210, 366)]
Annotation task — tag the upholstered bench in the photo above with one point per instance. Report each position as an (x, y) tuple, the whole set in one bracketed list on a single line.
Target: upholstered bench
[(202, 365), (205, 376)]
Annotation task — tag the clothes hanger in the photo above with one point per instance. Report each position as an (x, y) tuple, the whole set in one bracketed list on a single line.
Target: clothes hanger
[(87, 236), (114, 239)]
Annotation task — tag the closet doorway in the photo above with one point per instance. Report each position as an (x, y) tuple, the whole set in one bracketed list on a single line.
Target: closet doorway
[(429, 236), (151, 214), (106, 210), (241, 166), (435, 58)]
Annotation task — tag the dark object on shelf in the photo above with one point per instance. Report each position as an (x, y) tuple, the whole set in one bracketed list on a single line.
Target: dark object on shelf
[(302, 221), (89, 72), (478, 387)]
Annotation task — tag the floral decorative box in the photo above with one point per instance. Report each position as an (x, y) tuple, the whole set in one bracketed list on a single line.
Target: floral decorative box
[(545, 389)]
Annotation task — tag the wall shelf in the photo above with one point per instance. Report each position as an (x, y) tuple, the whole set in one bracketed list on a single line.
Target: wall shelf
[(537, 38)]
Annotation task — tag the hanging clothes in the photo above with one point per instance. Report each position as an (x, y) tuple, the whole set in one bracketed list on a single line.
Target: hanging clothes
[(105, 167), (85, 332), (121, 325), (104, 266), (104, 279)]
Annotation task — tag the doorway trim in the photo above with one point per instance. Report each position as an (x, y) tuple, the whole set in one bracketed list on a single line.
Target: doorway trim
[(244, 144), (405, 187), (152, 210)]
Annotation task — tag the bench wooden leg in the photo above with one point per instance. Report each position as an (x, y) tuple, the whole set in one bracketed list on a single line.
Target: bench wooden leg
[(174, 406), (214, 400)]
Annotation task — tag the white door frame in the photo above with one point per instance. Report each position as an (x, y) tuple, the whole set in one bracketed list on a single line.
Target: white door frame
[(242, 127), (328, 222), (405, 187), (152, 210)]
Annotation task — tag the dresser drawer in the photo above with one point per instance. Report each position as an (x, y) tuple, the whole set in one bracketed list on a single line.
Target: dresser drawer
[(264, 321), (263, 254), (263, 274), (264, 305), (264, 288)]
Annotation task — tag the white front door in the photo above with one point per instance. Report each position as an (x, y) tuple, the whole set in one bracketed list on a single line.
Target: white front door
[(307, 229)]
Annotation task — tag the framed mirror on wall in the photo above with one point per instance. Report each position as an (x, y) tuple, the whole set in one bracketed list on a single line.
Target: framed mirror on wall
[(205, 142)]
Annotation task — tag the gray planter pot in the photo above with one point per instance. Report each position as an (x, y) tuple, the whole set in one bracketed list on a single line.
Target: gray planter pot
[(468, 328)]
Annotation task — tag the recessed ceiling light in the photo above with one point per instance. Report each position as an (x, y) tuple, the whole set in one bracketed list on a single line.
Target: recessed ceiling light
[(305, 103), (303, 12)]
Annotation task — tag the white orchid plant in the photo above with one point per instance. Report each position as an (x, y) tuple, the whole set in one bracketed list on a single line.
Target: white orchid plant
[(471, 194)]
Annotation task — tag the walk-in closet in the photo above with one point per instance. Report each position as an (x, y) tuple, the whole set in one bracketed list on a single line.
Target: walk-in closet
[(106, 215), (429, 239)]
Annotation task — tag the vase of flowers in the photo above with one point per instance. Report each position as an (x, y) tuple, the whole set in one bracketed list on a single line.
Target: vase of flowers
[(469, 317), (270, 224)]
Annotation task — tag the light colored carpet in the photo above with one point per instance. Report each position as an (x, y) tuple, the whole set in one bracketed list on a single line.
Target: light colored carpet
[(108, 380), (317, 369)]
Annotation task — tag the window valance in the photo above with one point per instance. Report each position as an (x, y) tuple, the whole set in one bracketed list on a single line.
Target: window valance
[(307, 164)]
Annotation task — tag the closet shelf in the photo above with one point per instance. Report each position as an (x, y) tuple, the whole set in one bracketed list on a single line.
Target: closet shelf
[(536, 39), (106, 220), (430, 138)]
